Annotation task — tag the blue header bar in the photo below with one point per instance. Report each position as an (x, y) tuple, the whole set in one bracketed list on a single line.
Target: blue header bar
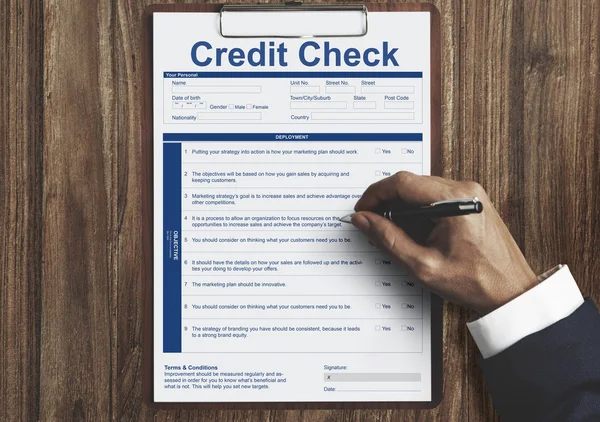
[(282, 137), (289, 75)]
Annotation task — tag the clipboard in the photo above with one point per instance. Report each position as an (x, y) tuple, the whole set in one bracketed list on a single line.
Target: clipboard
[(148, 214)]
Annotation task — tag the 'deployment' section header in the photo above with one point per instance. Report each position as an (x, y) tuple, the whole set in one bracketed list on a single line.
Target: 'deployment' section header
[(186, 137)]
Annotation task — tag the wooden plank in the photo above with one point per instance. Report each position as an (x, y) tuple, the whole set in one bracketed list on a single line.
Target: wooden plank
[(562, 138), (455, 403), (21, 147), (79, 236), (489, 147), (126, 50)]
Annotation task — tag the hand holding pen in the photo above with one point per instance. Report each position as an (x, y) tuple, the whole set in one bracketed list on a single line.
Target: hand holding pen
[(471, 260), (447, 208)]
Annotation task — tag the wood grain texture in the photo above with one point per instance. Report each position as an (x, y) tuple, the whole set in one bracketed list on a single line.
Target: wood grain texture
[(521, 82), (490, 145), (562, 138), (21, 184), (79, 233)]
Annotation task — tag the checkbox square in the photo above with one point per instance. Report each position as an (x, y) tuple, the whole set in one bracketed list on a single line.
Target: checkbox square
[(378, 328), (230, 106), (249, 106), (378, 262), (377, 150), (403, 328), (378, 283), (377, 173), (378, 305)]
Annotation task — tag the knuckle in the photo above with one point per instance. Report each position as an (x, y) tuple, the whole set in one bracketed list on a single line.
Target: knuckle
[(403, 176), (387, 238), (427, 269), (468, 189), (475, 188)]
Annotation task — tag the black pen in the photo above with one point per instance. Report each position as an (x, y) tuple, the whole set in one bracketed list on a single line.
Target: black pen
[(449, 208)]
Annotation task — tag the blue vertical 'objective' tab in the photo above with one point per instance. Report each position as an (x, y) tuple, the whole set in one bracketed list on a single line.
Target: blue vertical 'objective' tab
[(172, 248)]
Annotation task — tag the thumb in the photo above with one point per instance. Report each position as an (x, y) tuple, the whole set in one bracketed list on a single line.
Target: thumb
[(390, 238)]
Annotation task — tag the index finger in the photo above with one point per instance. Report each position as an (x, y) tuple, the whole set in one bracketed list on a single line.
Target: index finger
[(409, 187)]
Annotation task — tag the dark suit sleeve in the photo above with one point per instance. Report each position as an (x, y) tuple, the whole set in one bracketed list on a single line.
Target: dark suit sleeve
[(552, 375)]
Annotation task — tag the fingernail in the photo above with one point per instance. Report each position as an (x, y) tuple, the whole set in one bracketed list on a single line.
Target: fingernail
[(361, 222)]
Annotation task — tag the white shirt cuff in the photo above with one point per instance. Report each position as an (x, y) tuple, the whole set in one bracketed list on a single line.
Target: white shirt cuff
[(555, 298)]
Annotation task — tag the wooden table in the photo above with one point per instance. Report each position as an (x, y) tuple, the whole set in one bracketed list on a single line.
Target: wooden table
[(521, 115)]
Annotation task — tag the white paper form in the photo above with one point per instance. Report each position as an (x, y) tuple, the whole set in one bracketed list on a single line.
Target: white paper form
[(260, 294)]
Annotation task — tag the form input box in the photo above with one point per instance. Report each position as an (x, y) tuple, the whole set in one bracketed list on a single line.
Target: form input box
[(399, 105), (388, 89), (361, 105), (189, 104), (318, 104), (216, 89), (373, 116), (340, 89), (229, 116), (371, 377), (305, 89)]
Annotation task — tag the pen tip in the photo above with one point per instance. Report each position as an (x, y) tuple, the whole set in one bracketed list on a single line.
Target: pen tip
[(346, 218)]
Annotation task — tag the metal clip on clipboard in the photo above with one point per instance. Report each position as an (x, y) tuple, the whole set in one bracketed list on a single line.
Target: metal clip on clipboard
[(231, 29)]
